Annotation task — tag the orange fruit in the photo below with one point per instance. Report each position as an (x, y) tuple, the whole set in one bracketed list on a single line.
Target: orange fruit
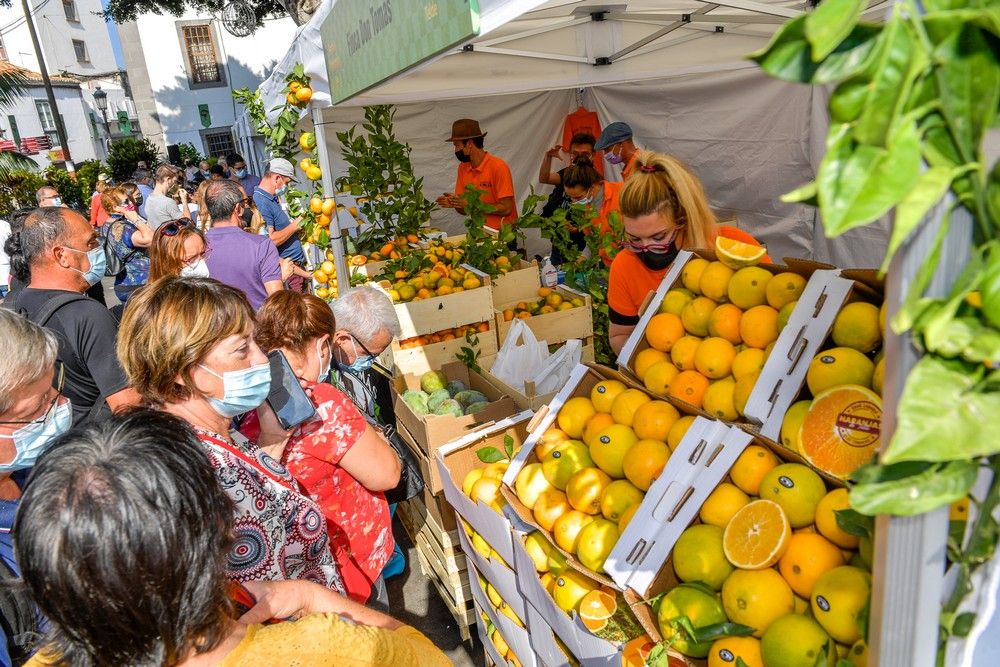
[(724, 322), (698, 556), (878, 376), (663, 330), (595, 425), (689, 386), (597, 539), (566, 529), (678, 431), (550, 505), (857, 326), (842, 429), (675, 300), (574, 414), (654, 419), (808, 556), (722, 504), (748, 360), (549, 441), (644, 462), (691, 274), (741, 393), (609, 448), (316, 205), (784, 288), (759, 326), (618, 498), (570, 588), (714, 281), (304, 94), (748, 287), (696, 314), (636, 651), (718, 399), (750, 468), (797, 488), (839, 366), (757, 535), (596, 608), (682, 355), (795, 640), (584, 490), (626, 517), (737, 254), (603, 394), (647, 358), (756, 598), (626, 403), (726, 651), (826, 519), (659, 376), (714, 358)]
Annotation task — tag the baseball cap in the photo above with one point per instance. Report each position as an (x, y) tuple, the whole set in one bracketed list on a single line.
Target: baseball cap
[(282, 167), (614, 133)]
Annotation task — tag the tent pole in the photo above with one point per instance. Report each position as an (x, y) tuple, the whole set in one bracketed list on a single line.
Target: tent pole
[(325, 165)]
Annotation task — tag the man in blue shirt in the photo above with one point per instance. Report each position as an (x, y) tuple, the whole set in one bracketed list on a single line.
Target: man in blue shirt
[(144, 180), (238, 171), (284, 233)]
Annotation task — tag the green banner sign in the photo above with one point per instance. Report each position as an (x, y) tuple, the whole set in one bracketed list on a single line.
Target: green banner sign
[(368, 41)]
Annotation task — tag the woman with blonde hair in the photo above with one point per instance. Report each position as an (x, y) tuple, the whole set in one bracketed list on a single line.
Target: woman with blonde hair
[(664, 209), (178, 249), (129, 237)]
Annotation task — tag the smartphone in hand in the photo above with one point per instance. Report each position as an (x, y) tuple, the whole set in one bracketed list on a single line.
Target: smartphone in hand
[(287, 398)]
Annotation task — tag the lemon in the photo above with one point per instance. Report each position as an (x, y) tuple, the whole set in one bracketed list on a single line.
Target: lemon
[(857, 326), (797, 489), (722, 504), (718, 399), (714, 281), (756, 598), (691, 274), (698, 556), (791, 424), (838, 597), (748, 287), (795, 641)]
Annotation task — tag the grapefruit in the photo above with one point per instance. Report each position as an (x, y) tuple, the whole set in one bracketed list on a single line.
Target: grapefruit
[(595, 425), (570, 588), (530, 484), (564, 461), (550, 506), (748, 360), (838, 598), (842, 429)]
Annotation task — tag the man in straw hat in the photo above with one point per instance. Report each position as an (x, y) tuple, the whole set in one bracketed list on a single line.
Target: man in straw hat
[(485, 171)]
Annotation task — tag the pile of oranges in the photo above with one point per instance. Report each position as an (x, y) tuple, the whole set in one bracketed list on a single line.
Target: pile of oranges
[(712, 333), (443, 335), (549, 301)]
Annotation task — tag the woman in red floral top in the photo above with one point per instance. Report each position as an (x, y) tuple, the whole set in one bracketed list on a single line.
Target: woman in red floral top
[(343, 463)]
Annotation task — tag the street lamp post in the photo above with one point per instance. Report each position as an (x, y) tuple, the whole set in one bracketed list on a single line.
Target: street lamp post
[(101, 100)]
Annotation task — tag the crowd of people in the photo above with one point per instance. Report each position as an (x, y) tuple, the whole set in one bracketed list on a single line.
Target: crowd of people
[(166, 497)]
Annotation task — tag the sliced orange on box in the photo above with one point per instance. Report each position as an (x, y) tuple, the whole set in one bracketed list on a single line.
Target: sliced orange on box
[(842, 430), (736, 254), (596, 608), (757, 535)]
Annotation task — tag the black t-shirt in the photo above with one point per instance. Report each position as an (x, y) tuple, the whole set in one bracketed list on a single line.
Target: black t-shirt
[(86, 333), (557, 199)]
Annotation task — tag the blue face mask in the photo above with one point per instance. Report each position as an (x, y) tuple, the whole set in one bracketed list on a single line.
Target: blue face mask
[(361, 363), (98, 264), (242, 391), (241, 173), (280, 191), (32, 439)]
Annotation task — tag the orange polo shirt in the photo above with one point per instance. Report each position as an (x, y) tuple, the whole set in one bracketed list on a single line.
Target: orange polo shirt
[(493, 177), (630, 167), (630, 280), (612, 191)]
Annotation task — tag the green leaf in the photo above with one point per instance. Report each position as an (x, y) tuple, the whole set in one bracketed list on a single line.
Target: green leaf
[(913, 306), (963, 623), (858, 183), (490, 455), (805, 194), (907, 495), (855, 523), (969, 84), (830, 24), (929, 189), (508, 445), (709, 633), (990, 289), (943, 415), (788, 57)]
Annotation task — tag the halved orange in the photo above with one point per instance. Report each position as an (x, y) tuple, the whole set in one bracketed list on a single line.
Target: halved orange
[(757, 535), (736, 254), (842, 430), (596, 608)]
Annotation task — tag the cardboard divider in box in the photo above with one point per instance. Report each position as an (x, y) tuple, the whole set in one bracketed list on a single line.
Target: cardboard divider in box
[(785, 369), (543, 640), (432, 431), (430, 357), (527, 398), (515, 635), (446, 312), (456, 459), (492, 656), (499, 575), (522, 279)]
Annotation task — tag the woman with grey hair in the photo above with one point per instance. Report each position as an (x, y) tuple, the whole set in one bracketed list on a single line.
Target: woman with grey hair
[(32, 413)]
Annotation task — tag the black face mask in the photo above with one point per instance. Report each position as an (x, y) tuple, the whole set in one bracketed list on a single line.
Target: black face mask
[(657, 261), (247, 216), (462, 157), (137, 201)]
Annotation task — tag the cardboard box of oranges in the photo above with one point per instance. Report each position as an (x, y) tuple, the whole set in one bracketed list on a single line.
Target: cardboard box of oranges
[(507, 643), (731, 341)]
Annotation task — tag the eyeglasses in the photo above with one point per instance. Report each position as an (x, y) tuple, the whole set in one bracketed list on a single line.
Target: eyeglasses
[(58, 386), (174, 227), (662, 247)]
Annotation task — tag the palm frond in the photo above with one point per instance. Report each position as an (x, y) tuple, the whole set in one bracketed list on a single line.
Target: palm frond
[(11, 161), (13, 81)]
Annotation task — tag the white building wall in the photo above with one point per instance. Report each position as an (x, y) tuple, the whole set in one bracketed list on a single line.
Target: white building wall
[(246, 62), (82, 143)]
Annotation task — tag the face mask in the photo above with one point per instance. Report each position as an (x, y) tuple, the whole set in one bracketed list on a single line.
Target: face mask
[(280, 191), (197, 270), (206, 173), (613, 158), (324, 369), (32, 439), (361, 363), (241, 173), (583, 202), (657, 261), (56, 201), (98, 264), (462, 157), (247, 216), (242, 391)]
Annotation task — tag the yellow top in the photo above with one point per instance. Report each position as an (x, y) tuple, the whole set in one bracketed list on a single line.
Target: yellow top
[(326, 640)]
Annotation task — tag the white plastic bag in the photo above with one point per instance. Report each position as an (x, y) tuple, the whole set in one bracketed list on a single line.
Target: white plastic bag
[(520, 356), (554, 374)]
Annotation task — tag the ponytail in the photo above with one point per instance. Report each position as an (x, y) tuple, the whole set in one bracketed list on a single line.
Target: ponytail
[(661, 184), (19, 267)]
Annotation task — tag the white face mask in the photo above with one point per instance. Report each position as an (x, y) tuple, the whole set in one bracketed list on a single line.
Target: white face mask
[(197, 270), (324, 369)]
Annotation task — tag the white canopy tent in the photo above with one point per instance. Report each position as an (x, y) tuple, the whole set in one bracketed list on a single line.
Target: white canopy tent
[(675, 70)]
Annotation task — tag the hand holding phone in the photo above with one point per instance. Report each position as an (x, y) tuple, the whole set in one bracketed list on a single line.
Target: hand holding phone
[(287, 398)]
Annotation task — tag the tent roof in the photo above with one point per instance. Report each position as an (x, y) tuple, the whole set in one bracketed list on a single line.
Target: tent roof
[(532, 45)]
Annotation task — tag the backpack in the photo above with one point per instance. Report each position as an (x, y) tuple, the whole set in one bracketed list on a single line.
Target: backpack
[(115, 264)]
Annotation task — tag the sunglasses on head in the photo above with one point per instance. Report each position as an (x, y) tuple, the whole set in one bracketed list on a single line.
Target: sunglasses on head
[(173, 227)]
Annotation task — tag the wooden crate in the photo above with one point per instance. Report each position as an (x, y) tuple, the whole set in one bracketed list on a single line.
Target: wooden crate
[(441, 560), (446, 312), (431, 357), (513, 285), (553, 328)]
